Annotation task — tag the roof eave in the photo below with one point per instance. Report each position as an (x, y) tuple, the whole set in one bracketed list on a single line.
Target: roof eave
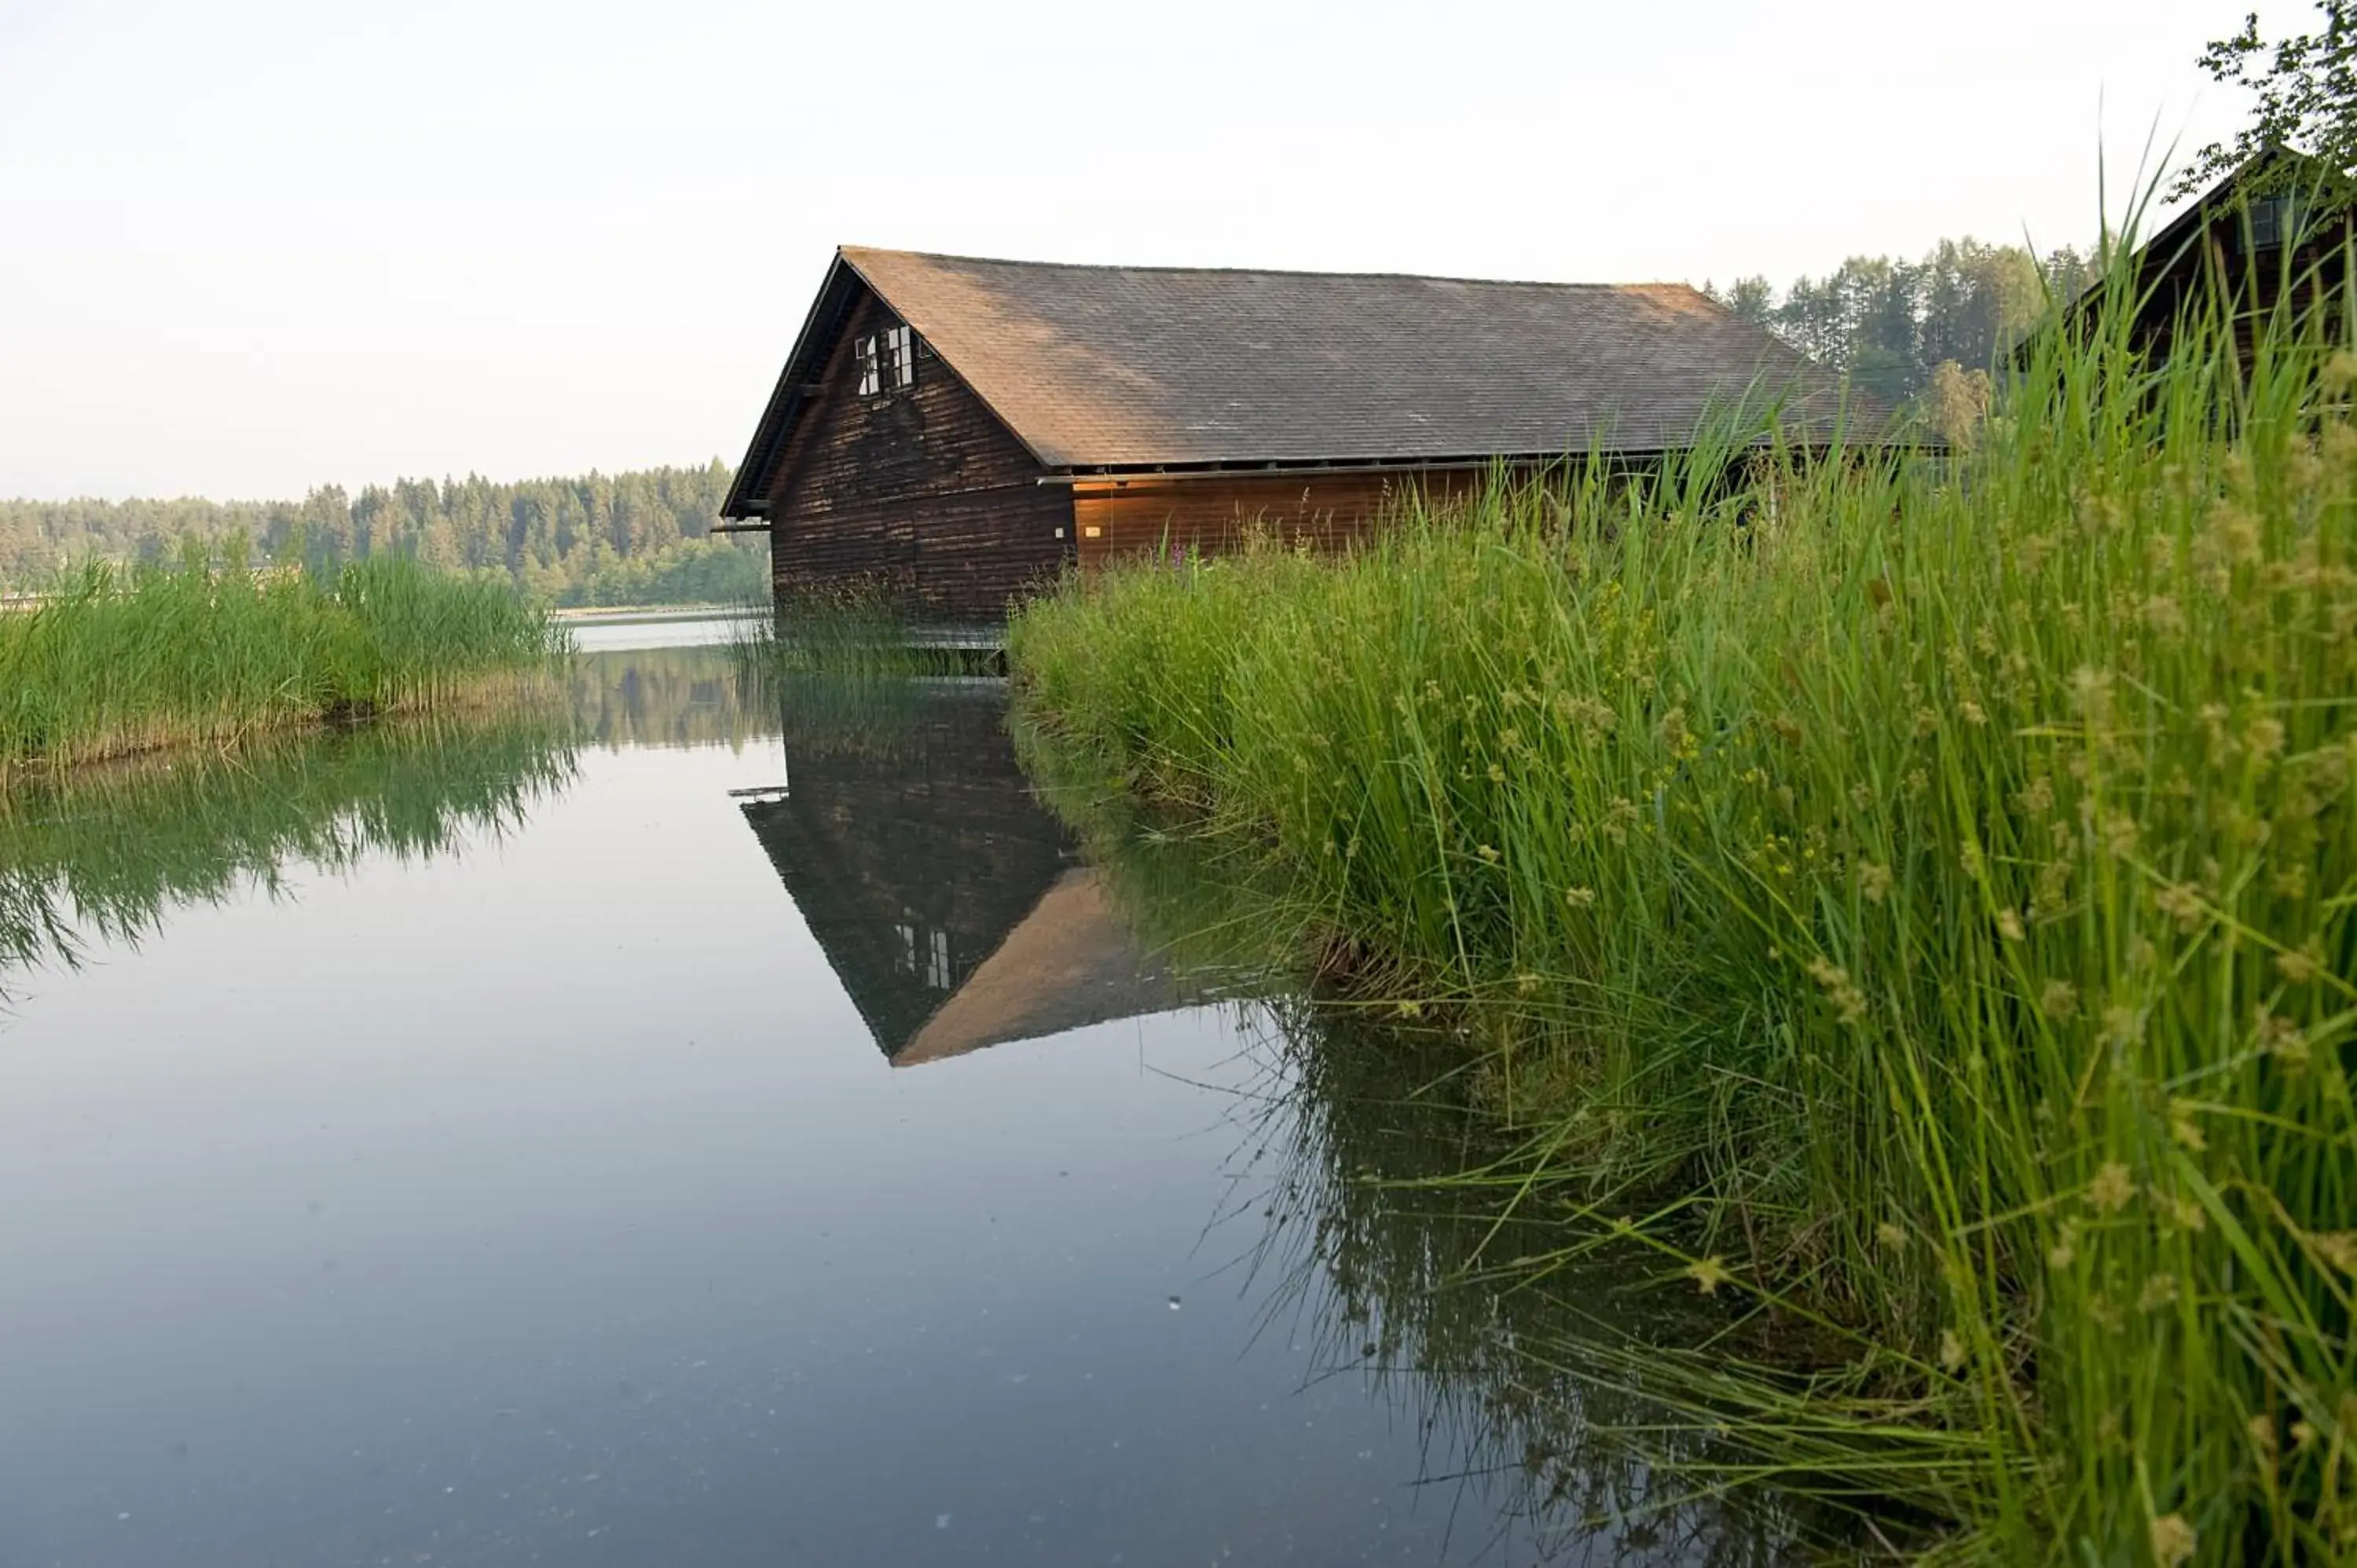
[(1242, 468), (786, 401), (1247, 467)]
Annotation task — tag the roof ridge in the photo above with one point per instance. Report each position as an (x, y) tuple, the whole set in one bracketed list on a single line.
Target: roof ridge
[(1257, 272)]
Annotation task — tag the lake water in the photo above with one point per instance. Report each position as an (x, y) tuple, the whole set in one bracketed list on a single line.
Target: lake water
[(701, 1129)]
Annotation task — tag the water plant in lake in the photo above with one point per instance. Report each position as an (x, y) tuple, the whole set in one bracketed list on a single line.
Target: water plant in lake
[(113, 662), (843, 668), (1922, 887), (845, 630)]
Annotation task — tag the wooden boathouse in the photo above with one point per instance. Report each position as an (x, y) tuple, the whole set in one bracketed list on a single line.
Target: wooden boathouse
[(2274, 234), (954, 431)]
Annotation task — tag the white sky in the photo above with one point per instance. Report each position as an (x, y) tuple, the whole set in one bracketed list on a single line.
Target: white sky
[(251, 245)]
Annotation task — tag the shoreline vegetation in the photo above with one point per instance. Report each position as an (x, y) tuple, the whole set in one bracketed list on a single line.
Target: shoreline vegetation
[(1911, 894), (115, 663), (1397, 1183), (854, 632)]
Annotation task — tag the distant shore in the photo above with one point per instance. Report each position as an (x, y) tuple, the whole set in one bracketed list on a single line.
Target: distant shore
[(610, 615)]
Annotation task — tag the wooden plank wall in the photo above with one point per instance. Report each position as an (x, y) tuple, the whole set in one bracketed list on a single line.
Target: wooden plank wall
[(1217, 515), (2318, 268), (921, 492)]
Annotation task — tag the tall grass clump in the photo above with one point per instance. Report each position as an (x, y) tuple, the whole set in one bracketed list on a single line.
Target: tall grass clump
[(1402, 1240), (113, 662), (853, 630), (1925, 884)]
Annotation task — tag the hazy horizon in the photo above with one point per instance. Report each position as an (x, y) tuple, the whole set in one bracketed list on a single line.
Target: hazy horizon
[(265, 246)]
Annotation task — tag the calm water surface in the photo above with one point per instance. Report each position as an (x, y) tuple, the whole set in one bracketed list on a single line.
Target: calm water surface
[(565, 1142)]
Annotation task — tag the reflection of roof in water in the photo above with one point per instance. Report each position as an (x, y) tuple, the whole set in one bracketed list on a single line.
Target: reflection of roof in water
[(1071, 962), (943, 895)]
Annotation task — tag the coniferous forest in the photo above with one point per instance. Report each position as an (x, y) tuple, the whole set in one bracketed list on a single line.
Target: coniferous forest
[(1918, 334), (644, 537)]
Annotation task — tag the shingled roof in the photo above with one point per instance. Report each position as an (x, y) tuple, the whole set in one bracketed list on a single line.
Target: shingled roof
[(1097, 368)]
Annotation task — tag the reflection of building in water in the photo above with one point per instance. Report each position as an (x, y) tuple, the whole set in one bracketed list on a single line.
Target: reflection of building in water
[(1070, 963), (937, 957), (946, 899)]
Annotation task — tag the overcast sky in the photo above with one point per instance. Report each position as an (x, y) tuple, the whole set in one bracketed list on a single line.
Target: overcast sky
[(247, 246)]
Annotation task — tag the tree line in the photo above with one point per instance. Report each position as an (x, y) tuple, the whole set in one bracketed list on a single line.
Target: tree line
[(1917, 333), (644, 537), (1923, 332)]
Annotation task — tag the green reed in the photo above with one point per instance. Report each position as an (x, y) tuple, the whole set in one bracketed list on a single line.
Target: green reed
[(1921, 887), (113, 662), (849, 630), (1397, 1244), (845, 668)]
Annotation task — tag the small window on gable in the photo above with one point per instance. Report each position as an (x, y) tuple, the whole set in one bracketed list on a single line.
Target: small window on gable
[(2277, 221), (900, 355), (871, 366)]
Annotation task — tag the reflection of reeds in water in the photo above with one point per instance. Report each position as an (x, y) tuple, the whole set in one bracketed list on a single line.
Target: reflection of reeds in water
[(1529, 1373), (839, 714), (108, 852), (841, 671), (1563, 1371)]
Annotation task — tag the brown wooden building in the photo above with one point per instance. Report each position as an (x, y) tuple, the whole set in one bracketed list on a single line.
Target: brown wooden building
[(958, 431), (2271, 230)]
